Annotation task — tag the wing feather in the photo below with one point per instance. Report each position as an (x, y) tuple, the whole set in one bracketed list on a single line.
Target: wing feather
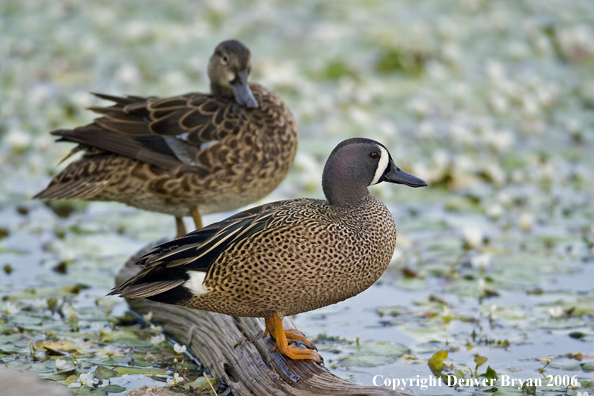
[(194, 119), (166, 266)]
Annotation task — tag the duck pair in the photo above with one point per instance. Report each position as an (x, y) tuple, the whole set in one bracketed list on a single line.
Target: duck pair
[(196, 154)]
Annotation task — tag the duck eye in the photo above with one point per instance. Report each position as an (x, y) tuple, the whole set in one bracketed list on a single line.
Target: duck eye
[(224, 59), (374, 155)]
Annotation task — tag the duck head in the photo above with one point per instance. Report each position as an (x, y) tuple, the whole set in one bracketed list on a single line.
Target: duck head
[(229, 71), (356, 164)]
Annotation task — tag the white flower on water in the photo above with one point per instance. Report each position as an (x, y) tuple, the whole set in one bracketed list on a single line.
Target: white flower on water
[(220, 6), (481, 284), (156, 340), (84, 379), (495, 71), (472, 236), (69, 311), (493, 311), (461, 132), (40, 304), (499, 103), (17, 140), (179, 349), (397, 255), (10, 308), (481, 261), (526, 222), (556, 312), (517, 176), (495, 211), (60, 364), (128, 74), (103, 330), (573, 126), (504, 198), (419, 106), (148, 317), (496, 173), (177, 379)]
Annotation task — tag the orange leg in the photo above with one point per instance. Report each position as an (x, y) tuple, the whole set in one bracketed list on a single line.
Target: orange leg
[(290, 334), (181, 227), (197, 218), (269, 326), (274, 327)]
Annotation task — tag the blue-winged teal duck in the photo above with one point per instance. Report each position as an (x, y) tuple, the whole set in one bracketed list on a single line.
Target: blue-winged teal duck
[(284, 257), (187, 155)]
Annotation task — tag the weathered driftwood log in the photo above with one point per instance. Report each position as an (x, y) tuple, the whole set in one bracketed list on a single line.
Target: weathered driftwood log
[(22, 383), (233, 350)]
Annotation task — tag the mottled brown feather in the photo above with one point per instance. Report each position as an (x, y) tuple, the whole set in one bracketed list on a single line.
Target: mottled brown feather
[(250, 152), (307, 254)]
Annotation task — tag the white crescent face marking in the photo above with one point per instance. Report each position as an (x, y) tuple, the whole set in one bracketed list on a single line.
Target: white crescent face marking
[(195, 283), (382, 165)]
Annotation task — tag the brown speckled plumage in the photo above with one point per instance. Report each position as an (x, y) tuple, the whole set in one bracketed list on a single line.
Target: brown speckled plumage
[(285, 257), (318, 255), (206, 152)]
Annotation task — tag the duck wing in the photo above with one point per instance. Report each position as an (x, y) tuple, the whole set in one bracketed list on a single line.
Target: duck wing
[(166, 266), (167, 133)]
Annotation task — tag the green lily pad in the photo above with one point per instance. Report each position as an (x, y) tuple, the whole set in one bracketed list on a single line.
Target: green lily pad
[(371, 354), (436, 361), (102, 372), (87, 391), (10, 338), (200, 384), (365, 360), (132, 343), (113, 388), (139, 370), (109, 361)]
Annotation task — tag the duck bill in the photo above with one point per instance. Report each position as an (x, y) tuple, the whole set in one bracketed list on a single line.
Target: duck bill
[(241, 90), (398, 176)]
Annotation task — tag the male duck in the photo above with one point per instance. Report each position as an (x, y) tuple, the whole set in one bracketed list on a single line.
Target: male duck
[(187, 155), (284, 257)]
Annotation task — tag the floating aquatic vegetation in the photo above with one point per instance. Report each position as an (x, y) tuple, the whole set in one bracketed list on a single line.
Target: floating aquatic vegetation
[(490, 102)]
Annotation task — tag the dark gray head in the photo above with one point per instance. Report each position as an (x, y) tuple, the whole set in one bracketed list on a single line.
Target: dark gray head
[(356, 164), (229, 71)]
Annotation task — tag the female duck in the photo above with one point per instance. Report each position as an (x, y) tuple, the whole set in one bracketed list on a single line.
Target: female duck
[(187, 155)]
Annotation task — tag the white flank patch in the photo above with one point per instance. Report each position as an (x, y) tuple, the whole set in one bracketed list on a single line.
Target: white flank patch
[(206, 145), (381, 165), (195, 283)]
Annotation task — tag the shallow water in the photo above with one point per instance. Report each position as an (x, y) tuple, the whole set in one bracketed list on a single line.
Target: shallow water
[(491, 103)]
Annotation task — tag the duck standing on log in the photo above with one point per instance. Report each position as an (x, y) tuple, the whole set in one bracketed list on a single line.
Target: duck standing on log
[(192, 154), (285, 257)]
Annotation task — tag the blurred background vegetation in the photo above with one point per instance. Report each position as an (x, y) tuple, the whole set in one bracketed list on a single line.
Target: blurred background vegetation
[(491, 102)]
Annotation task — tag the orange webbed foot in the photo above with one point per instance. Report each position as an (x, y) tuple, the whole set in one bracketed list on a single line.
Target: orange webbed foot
[(295, 353), (294, 334), (274, 327)]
